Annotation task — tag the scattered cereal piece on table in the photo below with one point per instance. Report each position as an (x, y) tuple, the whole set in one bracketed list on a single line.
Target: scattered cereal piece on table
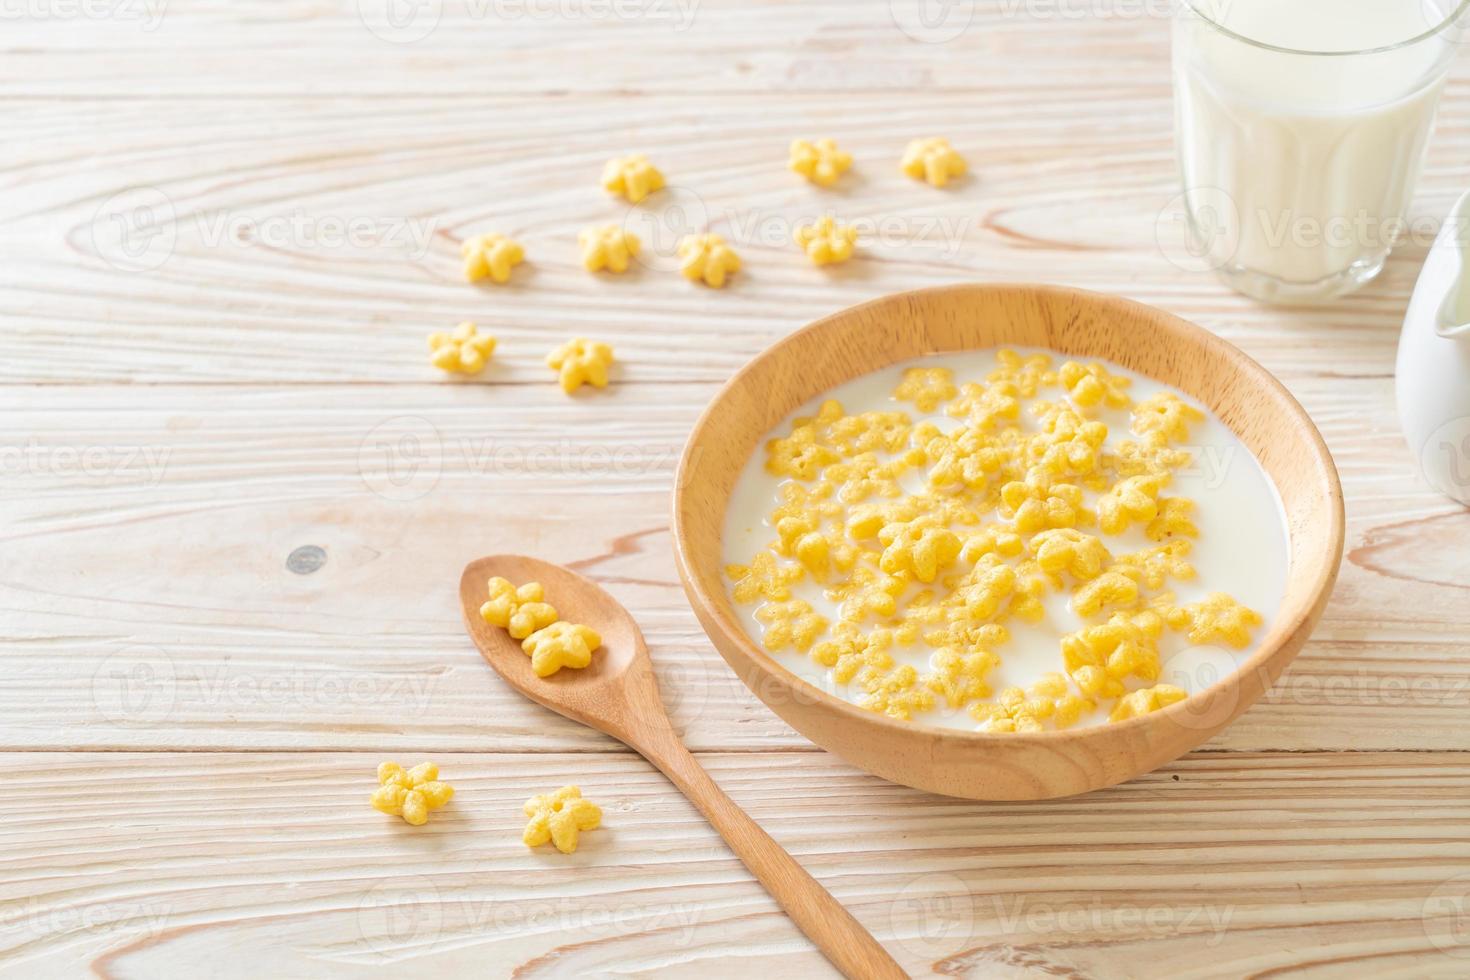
[(581, 361), (826, 242), (932, 160), (464, 351), (412, 794), (519, 610), (608, 247), (819, 161), (490, 255), (707, 259), (560, 818), (631, 177), (560, 645)]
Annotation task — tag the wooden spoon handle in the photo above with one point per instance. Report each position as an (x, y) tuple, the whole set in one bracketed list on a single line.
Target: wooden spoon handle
[(850, 947)]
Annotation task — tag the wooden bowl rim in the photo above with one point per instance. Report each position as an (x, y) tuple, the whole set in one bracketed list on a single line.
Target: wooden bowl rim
[(1288, 621)]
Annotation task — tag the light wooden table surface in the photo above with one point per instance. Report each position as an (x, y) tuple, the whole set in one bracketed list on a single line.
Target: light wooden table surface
[(236, 499)]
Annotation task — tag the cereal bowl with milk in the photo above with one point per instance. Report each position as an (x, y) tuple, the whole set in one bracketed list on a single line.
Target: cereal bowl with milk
[(1006, 542)]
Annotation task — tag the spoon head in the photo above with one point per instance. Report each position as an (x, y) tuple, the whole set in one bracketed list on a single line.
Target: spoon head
[(615, 694)]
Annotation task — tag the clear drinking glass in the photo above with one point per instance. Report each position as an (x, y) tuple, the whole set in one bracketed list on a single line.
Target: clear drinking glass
[(1301, 127)]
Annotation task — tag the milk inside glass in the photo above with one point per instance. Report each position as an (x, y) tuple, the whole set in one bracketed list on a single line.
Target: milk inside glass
[(1301, 127)]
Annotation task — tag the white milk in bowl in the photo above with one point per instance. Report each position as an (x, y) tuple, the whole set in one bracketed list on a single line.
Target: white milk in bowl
[(1301, 126)]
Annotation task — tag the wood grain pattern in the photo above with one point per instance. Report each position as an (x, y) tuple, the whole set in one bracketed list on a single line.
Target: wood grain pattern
[(154, 610), (1345, 859)]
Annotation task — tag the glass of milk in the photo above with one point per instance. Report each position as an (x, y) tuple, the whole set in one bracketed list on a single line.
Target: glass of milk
[(1301, 127)]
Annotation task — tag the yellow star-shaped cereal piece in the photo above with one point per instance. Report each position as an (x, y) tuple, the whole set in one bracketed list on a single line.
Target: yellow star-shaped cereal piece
[(897, 694), (560, 818), (412, 794), (1146, 700), (707, 259), (926, 387), (1216, 617), (609, 247), (1090, 385), (463, 351), (519, 610), (631, 177), (763, 578), (1164, 418), (581, 361), (560, 645), (819, 161), (932, 160), (790, 624), (825, 241), (490, 255)]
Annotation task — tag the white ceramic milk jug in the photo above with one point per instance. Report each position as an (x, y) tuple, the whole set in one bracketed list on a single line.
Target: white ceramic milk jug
[(1433, 373)]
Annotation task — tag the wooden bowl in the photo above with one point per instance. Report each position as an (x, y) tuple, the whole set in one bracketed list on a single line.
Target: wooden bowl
[(1071, 322)]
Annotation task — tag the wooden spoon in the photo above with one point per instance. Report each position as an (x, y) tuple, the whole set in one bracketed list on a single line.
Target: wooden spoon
[(618, 695)]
